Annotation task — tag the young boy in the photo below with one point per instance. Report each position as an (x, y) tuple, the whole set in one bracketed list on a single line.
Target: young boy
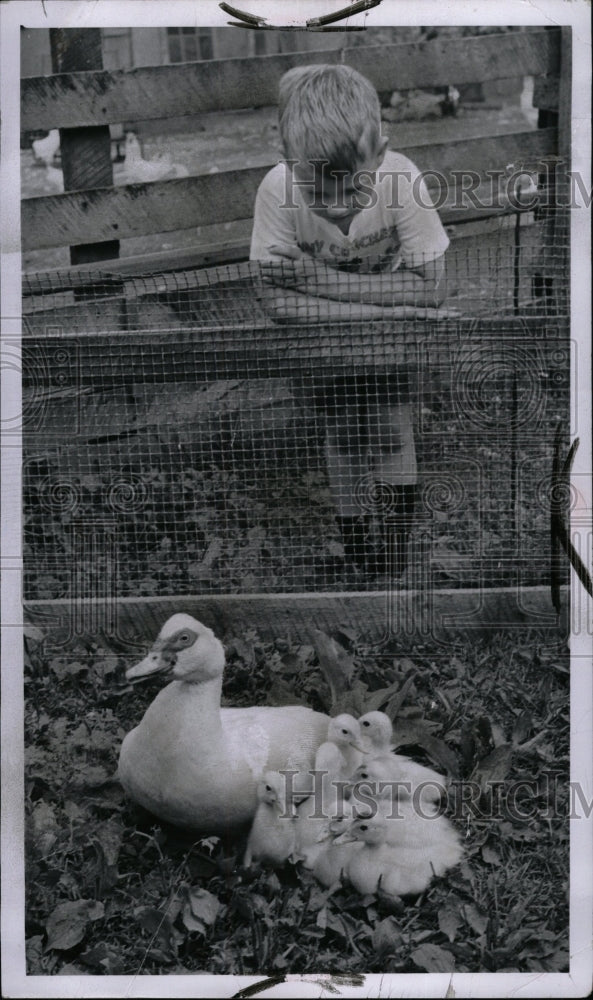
[(347, 231)]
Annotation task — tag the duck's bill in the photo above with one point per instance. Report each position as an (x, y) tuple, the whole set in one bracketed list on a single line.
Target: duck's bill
[(344, 838), (154, 663)]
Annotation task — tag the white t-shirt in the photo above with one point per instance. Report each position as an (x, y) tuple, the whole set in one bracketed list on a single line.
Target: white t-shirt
[(399, 225)]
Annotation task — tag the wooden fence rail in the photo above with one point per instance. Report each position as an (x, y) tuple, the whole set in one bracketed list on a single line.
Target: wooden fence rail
[(75, 100), (207, 199)]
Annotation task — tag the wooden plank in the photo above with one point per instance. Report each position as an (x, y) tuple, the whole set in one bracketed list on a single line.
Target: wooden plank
[(565, 99), (80, 99), (417, 615), (221, 252), (545, 92), (86, 152), (208, 199), (111, 359)]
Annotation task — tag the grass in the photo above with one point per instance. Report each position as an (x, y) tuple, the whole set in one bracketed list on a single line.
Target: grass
[(110, 890)]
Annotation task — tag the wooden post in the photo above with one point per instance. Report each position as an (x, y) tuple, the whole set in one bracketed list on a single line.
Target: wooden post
[(553, 99), (86, 152)]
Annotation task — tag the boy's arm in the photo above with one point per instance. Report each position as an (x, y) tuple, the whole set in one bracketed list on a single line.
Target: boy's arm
[(286, 305), (421, 287)]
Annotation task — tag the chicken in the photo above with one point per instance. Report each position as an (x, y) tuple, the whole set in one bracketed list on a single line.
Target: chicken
[(45, 149), (137, 170)]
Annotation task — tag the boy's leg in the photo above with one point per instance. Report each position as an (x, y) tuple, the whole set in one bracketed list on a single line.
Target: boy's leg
[(347, 465), (394, 467)]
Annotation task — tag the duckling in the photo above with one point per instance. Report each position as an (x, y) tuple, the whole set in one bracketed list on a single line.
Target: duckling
[(377, 740), (333, 857), (399, 783), (272, 837), (342, 753), (334, 761), (378, 865), (418, 828), (194, 764)]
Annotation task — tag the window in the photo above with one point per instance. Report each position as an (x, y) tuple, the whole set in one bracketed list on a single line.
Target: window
[(189, 44)]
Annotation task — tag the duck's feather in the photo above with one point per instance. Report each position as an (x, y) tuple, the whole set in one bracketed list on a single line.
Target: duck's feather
[(208, 781)]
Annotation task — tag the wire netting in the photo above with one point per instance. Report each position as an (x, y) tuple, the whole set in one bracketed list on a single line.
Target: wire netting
[(184, 435)]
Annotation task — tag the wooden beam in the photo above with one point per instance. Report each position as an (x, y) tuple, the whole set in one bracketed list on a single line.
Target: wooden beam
[(186, 351), (545, 92), (80, 99), (85, 152), (208, 199), (220, 251), (413, 615)]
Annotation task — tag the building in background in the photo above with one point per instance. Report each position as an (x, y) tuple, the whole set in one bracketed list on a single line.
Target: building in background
[(124, 48)]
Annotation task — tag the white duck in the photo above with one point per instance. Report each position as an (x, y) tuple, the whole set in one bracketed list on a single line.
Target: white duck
[(45, 149), (137, 170), (334, 763), (272, 837), (191, 762), (377, 741), (397, 869)]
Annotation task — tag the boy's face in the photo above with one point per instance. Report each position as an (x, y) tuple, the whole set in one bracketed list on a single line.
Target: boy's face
[(340, 195)]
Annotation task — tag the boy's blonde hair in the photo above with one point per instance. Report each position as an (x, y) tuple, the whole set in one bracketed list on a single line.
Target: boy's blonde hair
[(324, 111)]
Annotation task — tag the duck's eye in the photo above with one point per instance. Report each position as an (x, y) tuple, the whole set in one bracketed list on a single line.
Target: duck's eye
[(364, 774), (364, 827), (184, 637), (366, 724), (345, 732)]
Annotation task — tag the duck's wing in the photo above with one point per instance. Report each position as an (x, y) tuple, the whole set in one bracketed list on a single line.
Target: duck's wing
[(290, 735), (249, 742)]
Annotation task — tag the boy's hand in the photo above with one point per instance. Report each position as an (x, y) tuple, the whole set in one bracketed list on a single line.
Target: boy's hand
[(292, 268)]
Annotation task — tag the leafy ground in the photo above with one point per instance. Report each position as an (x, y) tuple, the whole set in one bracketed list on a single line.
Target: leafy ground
[(110, 890)]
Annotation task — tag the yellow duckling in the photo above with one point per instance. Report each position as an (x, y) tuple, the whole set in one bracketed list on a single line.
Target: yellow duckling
[(333, 857), (411, 825), (272, 837), (191, 762), (378, 865), (334, 761), (377, 740)]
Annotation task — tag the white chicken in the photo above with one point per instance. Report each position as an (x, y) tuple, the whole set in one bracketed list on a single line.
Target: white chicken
[(54, 180), (137, 170), (45, 149)]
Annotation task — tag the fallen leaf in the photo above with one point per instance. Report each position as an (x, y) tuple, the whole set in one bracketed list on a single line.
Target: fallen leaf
[(204, 907), (490, 856), (45, 827), (431, 958), (67, 924), (110, 835), (522, 728), (376, 699), (33, 634), (450, 920), (62, 667), (387, 936), (337, 666), (494, 767), (477, 921)]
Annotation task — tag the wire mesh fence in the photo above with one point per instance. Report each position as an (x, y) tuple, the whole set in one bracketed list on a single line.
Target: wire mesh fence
[(180, 437)]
